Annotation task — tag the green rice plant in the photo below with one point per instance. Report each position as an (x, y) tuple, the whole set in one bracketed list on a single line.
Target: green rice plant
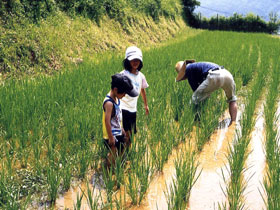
[(160, 155), (92, 200), (37, 152), (84, 158), (7, 165), (58, 118), (119, 202), (239, 151), (271, 180), (53, 181), (133, 187), (66, 176), (109, 182), (119, 170), (235, 189), (208, 121), (186, 175), (139, 178), (79, 198)]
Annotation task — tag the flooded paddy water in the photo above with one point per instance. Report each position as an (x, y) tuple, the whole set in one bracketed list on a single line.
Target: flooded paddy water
[(256, 164), (69, 199), (208, 191)]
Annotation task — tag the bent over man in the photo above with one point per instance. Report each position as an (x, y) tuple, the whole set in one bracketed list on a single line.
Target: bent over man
[(206, 77)]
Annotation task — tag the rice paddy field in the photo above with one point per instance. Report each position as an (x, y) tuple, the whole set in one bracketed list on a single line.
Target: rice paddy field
[(51, 134)]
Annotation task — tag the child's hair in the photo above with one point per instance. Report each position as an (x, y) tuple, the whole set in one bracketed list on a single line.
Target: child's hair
[(127, 66), (116, 85)]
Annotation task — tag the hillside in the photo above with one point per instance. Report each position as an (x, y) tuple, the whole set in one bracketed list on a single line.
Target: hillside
[(43, 38)]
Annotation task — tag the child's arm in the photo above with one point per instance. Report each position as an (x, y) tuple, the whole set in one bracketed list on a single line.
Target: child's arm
[(108, 106), (143, 94)]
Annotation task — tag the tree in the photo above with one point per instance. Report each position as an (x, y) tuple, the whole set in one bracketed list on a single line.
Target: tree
[(188, 9), (273, 23)]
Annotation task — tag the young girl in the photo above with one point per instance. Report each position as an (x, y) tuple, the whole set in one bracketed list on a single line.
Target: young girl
[(133, 64)]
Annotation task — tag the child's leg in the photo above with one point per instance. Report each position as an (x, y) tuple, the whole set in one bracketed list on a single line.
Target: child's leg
[(111, 154), (111, 157), (129, 125)]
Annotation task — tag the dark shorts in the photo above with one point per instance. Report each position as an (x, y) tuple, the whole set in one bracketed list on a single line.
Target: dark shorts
[(119, 144), (129, 121)]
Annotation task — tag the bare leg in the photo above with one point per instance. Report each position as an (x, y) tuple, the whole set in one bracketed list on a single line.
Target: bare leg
[(111, 157), (232, 111), (127, 139)]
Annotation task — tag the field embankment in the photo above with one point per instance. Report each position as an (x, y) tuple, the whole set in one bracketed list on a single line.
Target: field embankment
[(60, 40)]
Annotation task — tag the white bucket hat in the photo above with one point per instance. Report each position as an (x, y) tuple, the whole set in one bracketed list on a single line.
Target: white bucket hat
[(132, 53)]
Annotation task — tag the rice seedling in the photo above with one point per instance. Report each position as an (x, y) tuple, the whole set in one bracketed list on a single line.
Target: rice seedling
[(109, 182), (139, 178), (54, 180), (78, 204), (92, 199), (119, 170), (186, 176), (208, 115), (239, 152), (271, 180)]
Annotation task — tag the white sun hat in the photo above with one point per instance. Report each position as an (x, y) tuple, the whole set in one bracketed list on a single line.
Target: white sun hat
[(132, 53)]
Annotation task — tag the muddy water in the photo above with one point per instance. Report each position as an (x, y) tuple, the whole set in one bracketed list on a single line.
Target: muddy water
[(256, 164), (207, 192), (155, 197), (69, 199)]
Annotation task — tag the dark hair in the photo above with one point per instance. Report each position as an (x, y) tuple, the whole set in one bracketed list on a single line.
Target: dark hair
[(127, 66), (116, 85)]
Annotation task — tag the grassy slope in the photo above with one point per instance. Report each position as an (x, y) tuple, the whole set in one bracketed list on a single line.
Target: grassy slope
[(60, 40)]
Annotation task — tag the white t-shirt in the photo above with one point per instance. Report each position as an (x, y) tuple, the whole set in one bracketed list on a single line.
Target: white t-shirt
[(139, 82)]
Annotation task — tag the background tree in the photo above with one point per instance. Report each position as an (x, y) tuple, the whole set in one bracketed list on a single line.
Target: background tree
[(188, 9)]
